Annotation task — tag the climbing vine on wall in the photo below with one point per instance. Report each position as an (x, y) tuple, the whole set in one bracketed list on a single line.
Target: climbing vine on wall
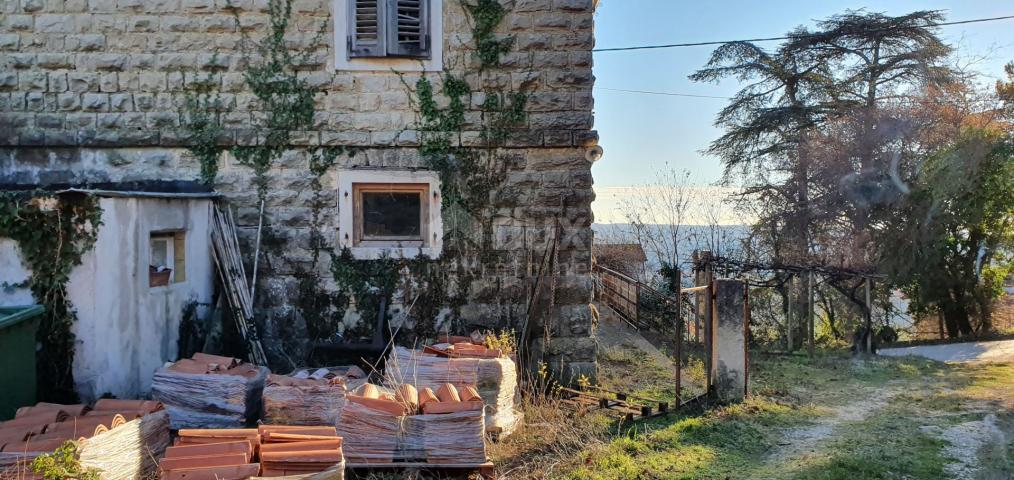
[(52, 235), (470, 175), (285, 102)]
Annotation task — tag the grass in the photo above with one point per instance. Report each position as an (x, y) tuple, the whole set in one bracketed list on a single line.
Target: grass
[(653, 379), (910, 401)]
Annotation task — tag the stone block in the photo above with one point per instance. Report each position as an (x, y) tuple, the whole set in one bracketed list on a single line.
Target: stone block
[(19, 23), (68, 101), (18, 61), (121, 102), (50, 23), (10, 42), (95, 102), (33, 81), (8, 80), (111, 62), (82, 81), (85, 42)]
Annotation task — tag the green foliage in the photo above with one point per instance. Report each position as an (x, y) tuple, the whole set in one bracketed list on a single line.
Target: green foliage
[(955, 259), (52, 234), (487, 15), (286, 100), (271, 74), (201, 124), (469, 176), (63, 464)]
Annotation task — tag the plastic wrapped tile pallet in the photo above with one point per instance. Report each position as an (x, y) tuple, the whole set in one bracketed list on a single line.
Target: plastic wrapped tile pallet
[(295, 401), (377, 437), (210, 392), (495, 379), (128, 451)]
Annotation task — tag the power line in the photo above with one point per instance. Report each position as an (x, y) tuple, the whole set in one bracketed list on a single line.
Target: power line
[(668, 94), (771, 39), (905, 99)]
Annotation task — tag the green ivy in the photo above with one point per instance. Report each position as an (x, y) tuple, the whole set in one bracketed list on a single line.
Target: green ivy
[(200, 121), (63, 464), (271, 74), (469, 176), (52, 235), (486, 16)]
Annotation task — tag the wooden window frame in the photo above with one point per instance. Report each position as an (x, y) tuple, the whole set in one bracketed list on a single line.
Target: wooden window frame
[(175, 253), (388, 179), (359, 237)]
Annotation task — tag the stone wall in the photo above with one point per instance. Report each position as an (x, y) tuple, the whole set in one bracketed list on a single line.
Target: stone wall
[(90, 91)]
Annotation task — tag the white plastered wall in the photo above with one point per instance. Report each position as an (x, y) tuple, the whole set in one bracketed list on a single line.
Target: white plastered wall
[(125, 329)]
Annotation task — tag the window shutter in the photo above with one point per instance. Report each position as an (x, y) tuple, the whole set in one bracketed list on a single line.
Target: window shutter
[(408, 28), (179, 257), (366, 28)]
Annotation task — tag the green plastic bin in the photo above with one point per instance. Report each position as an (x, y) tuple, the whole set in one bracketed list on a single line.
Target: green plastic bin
[(17, 357)]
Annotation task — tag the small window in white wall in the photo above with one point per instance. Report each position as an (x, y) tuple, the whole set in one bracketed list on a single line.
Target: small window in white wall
[(380, 35), (393, 213), (166, 258)]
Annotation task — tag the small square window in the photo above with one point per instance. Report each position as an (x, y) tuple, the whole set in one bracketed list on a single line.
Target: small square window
[(399, 217), (391, 213), (166, 258)]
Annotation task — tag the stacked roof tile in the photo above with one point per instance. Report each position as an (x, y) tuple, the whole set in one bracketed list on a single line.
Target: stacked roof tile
[(267, 451), (210, 391), (45, 427), (409, 425), (494, 379)]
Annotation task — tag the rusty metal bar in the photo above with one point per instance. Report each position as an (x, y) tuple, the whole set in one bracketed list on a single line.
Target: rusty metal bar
[(679, 338)]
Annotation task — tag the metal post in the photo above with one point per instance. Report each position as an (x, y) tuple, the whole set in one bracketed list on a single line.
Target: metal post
[(679, 337), (637, 305), (810, 312)]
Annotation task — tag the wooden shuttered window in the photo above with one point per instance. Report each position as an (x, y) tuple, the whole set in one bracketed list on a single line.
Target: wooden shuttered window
[(408, 28), (367, 27), (388, 28)]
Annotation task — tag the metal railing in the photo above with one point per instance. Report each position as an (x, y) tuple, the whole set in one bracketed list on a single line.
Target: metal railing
[(676, 322)]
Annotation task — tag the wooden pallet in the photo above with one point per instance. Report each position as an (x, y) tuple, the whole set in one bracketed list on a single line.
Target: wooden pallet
[(586, 401), (449, 469)]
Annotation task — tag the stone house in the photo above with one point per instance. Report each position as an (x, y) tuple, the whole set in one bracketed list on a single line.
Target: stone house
[(92, 91)]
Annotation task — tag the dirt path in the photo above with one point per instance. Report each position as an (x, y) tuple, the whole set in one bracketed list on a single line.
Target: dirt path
[(802, 441), (997, 351)]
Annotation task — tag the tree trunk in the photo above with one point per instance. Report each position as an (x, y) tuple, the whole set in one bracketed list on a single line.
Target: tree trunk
[(956, 319)]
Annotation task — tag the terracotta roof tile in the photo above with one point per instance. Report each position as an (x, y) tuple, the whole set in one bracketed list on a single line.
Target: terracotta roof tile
[(212, 460), (243, 446), (232, 472)]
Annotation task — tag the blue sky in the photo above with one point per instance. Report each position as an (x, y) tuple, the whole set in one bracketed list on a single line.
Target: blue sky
[(641, 133)]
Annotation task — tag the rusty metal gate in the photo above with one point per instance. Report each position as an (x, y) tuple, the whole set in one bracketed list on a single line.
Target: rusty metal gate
[(678, 322)]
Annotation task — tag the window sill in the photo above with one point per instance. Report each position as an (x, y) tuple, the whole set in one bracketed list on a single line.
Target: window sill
[(344, 64), (375, 253)]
